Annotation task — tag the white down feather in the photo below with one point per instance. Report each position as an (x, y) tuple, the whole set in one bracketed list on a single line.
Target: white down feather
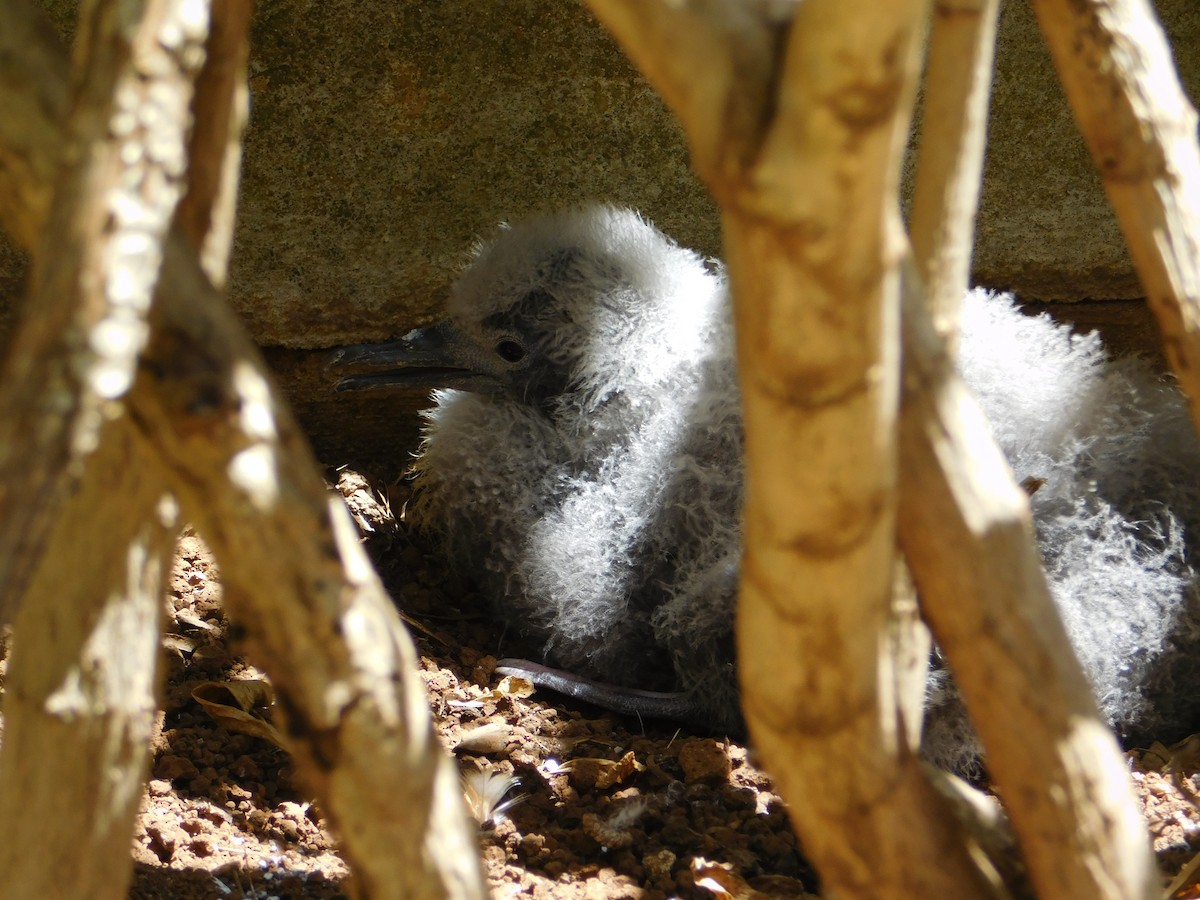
[(607, 521)]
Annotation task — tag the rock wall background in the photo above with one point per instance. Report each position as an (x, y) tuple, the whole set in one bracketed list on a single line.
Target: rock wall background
[(386, 135)]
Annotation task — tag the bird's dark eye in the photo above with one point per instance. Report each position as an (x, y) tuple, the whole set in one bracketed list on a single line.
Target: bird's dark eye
[(510, 351)]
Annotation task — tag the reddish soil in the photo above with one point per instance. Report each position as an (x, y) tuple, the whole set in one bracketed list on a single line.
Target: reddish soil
[(601, 807)]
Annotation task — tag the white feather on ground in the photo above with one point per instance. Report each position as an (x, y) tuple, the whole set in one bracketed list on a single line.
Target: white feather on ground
[(605, 520)]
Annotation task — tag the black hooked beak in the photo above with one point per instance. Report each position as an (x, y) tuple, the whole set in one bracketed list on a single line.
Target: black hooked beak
[(434, 357)]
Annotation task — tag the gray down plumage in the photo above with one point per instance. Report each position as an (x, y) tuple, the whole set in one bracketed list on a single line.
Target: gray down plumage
[(606, 516), (1117, 518), (603, 513)]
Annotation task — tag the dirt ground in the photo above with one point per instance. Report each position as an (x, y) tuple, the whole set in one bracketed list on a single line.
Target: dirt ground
[(573, 802)]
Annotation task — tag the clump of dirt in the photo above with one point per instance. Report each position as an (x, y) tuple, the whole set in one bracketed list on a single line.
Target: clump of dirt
[(572, 802)]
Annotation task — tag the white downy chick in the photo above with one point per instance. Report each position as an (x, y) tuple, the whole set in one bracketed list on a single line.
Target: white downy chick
[(585, 465)]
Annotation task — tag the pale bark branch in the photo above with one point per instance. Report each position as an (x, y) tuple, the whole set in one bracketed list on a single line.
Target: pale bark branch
[(81, 698), (1116, 67), (812, 321), (75, 350), (965, 528), (206, 212), (81, 694), (958, 78), (812, 242), (958, 73), (312, 610)]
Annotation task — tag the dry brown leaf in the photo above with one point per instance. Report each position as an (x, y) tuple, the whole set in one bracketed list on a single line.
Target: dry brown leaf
[(510, 686), (1185, 760), (369, 509), (1156, 757), (1031, 484), (190, 618), (589, 772), (726, 883), (240, 706), (1186, 892), (178, 643), (722, 881)]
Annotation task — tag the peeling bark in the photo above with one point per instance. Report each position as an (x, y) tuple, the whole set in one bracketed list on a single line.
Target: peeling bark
[(74, 354), (966, 530), (797, 126), (208, 422), (958, 80), (806, 181)]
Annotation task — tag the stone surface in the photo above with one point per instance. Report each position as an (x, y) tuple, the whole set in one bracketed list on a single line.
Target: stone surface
[(1045, 229), (387, 135)]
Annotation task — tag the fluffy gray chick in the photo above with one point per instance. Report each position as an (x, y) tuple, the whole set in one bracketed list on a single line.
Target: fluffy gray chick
[(586, 468)]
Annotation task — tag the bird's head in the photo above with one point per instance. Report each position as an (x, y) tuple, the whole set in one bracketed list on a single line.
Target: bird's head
[(583, 302)]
